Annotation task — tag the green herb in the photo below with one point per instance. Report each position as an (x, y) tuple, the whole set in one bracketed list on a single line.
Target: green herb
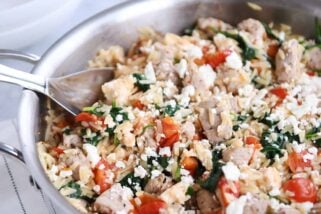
[(116, 140), (131, 181), (211, 182), (248, 52), (75, 186), (115, 111), (142, 86), (66, 130), (93, 140), (163, 161), (267, 120), (190, 191), (170, 110), (270, 33), (239, 120), (147, 127), (93, 110), (177, 174), (314, 135)]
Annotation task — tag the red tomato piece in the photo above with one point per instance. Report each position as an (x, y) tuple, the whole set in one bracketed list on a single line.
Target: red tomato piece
[(86, 117), (311, 73), (279, 92), (171, 132), (100, 175), (190, 164), (272, 50), (149, 205), (296, 161), (302, 190), (251, 140), (138, 104), (216, 59), (227, 191), (57, 150)]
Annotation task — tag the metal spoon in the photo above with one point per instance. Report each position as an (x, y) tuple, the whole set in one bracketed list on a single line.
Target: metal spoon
[(71, 92)]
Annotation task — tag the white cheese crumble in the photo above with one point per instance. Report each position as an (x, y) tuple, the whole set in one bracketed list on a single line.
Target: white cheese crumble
[(155, 173), (92, 153), (119, 117), (188, 90), (165, 151), (208, 74), (233, 61), (140, 172), (231, 171), (150, 152), (298, 147), (181, 68), (65, 173), (120, 164), (194, 52), (237, 206), (275, 192), (149, 72)]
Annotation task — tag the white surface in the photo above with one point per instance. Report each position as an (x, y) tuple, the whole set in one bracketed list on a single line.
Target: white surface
[(36, 19), (14, 177)]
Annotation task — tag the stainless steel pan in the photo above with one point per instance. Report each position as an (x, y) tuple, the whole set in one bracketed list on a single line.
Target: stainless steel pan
[(119, 26)]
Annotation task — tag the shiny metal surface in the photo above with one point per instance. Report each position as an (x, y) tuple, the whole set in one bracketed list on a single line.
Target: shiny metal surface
[(119, 26), (11, 151), (71, 92), (4, 53)]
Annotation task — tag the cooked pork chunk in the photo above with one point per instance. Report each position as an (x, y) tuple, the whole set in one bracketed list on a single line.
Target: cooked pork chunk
[(206, 201), (287, 61), (158, 185)]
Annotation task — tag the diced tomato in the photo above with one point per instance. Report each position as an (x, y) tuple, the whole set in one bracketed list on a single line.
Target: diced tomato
[(280, 92), (190, 164), (100, 175), (227, 191), (296, 161), (138, 104), (171, 132), (301, 190), (311, 73), (199, 61), (272, 50), (57, 150), (86, 117), (251, 140), (149, 205), (216, 59)]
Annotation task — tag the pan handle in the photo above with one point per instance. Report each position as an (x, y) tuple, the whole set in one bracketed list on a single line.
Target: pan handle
[(31, 58), (11, 151)]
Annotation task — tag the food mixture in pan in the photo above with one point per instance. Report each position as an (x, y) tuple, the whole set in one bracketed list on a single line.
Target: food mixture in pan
[(223, 119)]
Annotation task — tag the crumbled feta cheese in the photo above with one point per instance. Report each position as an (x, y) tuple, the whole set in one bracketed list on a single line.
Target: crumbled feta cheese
[(275, 192), (184, 172), (150, 152), (187, 179), (231, 171), (305, 207), (143, 157), (96, 188), (165, 151), (307, 157), (209, 76), (65, 173), (313, 150), (149, 72), (233, 61), (246, 91), (140, 172), (188, 90), (298, 147), (119, 118), (120, 164), (155, 173), (92, 154), (181, 68), (237, 206), (194, 52)]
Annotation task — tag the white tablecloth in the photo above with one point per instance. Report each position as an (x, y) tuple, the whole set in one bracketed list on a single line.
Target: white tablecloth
[(17, 195)]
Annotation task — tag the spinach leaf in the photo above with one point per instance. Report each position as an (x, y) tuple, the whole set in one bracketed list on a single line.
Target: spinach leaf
[(314, 134), (272, 148), (93, 140), (115, 111), (131, 181), (211, 182), (190, 191), (270, 33), (162, 160), (248, 52), (267, 120), (139, 82), (75, 186), (239, 120), (170, 110)]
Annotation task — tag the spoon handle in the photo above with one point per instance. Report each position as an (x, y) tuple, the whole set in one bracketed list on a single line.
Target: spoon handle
[(26, 80)]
